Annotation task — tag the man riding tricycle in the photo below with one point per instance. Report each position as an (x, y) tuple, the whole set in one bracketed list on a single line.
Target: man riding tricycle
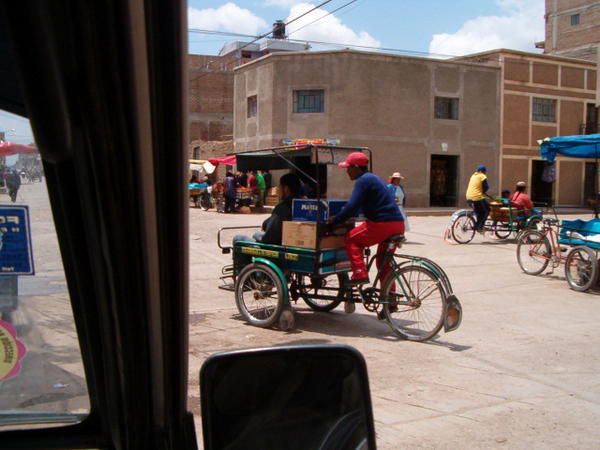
[(309, 260)]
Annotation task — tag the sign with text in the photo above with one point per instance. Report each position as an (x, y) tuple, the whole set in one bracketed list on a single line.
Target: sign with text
[(16, 255)]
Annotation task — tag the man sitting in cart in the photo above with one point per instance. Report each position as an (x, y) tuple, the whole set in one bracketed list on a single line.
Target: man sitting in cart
[(520, 200), (371, 196), (272, 228)]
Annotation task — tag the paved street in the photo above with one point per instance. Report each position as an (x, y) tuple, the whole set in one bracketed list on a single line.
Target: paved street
[(521, 372)]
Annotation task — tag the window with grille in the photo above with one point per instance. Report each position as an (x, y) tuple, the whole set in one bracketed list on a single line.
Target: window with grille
[(543, 110), (309, 101), (196, 153), (252, 106), (446, 108)]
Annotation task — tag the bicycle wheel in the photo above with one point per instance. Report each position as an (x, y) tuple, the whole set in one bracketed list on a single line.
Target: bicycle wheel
[(535, 223), (259, 294), (463, 229), (331, 286), (415, 303), (581, 268), (533, 252), (501, 229)]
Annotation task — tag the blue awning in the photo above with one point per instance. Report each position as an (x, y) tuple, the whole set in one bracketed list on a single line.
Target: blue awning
[(581, 146)]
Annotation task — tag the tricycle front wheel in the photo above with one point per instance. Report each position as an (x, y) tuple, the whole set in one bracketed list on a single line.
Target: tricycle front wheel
[(463, 229), (259, 295), (581, 268)]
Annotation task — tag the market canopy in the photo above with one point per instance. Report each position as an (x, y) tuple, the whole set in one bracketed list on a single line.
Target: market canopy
[(579, 146), (11, 148), (226, 160)]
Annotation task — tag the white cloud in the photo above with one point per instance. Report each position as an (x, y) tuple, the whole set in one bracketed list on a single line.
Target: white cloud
[(328, 29), (281, 3), (520, 25), (229, 17)]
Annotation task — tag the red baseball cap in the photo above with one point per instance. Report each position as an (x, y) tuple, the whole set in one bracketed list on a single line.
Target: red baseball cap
[(355, 159)]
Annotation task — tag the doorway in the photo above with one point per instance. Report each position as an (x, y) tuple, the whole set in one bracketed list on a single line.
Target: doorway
[(443, 180), (541, 191), (591, 119), (589, 184)]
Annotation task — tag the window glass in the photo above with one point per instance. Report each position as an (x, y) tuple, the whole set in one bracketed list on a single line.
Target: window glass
[(309, 101), (575, 19), (42, 381), (446, 108), (543, 110), (252, 106)]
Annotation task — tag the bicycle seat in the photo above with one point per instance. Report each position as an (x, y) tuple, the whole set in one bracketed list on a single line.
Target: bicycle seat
[(395, 239)]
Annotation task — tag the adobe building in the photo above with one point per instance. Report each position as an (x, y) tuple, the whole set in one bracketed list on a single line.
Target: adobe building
[(544, 96), (572, 29), (434, 121)]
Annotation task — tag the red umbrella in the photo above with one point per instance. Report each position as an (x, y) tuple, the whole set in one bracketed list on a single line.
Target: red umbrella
[(11, 148), (227, 160)]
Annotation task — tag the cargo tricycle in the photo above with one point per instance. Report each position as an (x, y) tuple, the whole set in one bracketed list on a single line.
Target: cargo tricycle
[(414, 296)]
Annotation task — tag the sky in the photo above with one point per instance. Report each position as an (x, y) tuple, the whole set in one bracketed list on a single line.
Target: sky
[(427, 27), (440, 27)]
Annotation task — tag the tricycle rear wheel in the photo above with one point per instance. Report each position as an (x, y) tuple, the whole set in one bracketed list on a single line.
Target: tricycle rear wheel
[(259, 295), (581, 268)]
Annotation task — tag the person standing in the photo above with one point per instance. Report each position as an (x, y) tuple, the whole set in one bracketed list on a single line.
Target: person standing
[(268, 183), (229, 186), (13, 183), (261, 189), (476, 194), (399, 193)]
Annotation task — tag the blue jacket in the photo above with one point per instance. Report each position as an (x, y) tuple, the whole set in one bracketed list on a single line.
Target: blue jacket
[(375, 200)]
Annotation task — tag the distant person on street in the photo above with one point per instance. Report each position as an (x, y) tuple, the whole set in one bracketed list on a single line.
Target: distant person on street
[(399, 193), (268, 183), (229, 185), (13, 183), (521, 200), (476, 195), (272, 228), (261, 188)]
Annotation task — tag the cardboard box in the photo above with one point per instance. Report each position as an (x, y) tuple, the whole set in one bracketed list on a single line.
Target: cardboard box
[(299, 234), (306, 210), (308, 234)]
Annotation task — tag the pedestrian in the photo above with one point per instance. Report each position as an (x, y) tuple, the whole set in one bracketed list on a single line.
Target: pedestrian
[(243, 181), (476, 195), (268, 183), (520, 200), (399, 193), (261, 189), (13, 183), (229, 185)]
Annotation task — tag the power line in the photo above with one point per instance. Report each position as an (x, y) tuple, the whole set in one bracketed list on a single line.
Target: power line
[(322, 17), (271, 31)]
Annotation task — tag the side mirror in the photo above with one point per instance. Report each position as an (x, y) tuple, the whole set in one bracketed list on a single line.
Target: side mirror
[(296, 397)]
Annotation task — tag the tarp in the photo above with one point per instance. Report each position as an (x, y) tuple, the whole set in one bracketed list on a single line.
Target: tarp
[(10, 148), (579, 146), (227, 160)]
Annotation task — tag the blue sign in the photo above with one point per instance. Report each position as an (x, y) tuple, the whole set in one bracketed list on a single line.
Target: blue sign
[(16, 255)]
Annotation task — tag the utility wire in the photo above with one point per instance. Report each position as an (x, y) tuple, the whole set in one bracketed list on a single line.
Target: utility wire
[(322, 17), (271, 31)]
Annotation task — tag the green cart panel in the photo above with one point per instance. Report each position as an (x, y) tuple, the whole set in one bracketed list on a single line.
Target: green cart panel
[(316, 262)]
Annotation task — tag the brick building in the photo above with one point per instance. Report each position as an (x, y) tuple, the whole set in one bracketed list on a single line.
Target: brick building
[(544, 96), (210, 97), (432, 120), (572, 28)]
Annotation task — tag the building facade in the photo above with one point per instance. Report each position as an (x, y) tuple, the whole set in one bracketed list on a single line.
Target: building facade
[(434, 121), (572, 29), (544, 96)]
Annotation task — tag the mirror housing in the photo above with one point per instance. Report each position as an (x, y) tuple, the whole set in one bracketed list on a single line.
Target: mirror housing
[(293, 397)]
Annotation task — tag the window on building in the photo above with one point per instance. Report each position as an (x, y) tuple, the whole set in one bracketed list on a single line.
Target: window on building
[(543, 110), (446, 108), (252, 108), (310, 101), (196, 153), (575, 19)]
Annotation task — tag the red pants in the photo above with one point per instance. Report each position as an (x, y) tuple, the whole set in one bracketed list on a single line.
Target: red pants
[(366, 235)]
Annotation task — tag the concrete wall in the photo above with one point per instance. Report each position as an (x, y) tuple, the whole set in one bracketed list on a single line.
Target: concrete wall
[(383, 102)]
